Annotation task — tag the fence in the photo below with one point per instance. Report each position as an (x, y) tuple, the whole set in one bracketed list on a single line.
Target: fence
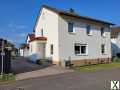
[(6, 62)]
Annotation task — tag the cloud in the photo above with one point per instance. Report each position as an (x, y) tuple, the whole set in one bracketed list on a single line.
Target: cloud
[(15, 27), (22, 27), (22, 35), (10, 25), (15, 33)]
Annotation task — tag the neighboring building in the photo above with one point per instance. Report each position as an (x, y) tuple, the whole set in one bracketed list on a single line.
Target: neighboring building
[(115, 39), (61, 36), (29, 37), (24, 50)]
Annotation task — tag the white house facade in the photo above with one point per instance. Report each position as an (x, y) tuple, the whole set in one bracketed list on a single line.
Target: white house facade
[(24, 50), (65, 36)]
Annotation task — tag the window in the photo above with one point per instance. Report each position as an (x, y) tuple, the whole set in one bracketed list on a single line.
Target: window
[(80, 49), (77, 49), (41, 32), (31, 48), (70, 27), (83, 49), (102, 31), (88, 30), (51, 49), (103, 49)]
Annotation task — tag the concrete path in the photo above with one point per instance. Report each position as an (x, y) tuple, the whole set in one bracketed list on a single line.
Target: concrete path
[(51, 70)]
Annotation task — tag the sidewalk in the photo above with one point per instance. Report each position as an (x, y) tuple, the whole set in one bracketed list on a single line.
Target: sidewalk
[(51, 70)]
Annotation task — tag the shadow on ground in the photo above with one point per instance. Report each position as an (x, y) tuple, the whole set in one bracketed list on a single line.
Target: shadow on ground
[(22, 65)]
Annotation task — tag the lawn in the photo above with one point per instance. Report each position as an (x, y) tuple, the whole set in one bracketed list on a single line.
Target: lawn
[(97, 67), (7, 78)]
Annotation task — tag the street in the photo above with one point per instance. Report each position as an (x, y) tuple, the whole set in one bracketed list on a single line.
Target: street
[(97, 80)]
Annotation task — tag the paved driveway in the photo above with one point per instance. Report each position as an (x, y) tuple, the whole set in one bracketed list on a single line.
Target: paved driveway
[(99, 80), (26, 70), (21, 65)]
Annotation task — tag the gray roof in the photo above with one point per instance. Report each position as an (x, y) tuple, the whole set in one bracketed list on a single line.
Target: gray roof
[(61, 12)]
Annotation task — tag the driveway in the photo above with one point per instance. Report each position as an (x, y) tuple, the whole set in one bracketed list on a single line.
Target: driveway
[(22, 65), (25, 69), (97, 80)]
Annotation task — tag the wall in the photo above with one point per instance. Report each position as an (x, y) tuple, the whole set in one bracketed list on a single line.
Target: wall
[(67, 40), (24, 52), (48, 21)]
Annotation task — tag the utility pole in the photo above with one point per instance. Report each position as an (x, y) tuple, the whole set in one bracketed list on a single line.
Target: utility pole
[(2, 56)]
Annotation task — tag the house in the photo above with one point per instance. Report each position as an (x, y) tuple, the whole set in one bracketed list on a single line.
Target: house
[(62, 36), (29, 37), (115, 40), (24, 50)]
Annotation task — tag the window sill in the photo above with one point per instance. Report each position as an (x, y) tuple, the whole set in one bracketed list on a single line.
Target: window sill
[(81, 54), (103, 36), (104, 54), (89, 34), (72, 33)]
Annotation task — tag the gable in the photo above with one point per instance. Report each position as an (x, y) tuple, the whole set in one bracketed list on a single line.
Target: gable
[(41, 15), (29, 37)]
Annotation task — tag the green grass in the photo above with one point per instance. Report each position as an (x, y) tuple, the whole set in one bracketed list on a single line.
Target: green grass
[(7, 78), (98, 67)]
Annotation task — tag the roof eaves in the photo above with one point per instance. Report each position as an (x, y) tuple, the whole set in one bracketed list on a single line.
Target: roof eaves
[(68, 14), (85, 17)]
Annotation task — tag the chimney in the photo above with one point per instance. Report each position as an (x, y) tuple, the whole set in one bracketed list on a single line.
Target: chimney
[(71, 10)]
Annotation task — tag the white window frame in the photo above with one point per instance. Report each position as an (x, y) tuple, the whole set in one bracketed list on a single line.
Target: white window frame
[(90, 31), (73, 27), (31, 49), (42, 33), (51, 49), (104, 49), (102, 35), (78, 44)]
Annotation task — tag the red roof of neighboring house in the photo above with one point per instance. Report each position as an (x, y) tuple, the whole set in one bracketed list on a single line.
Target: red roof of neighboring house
[(23, 46), (38, 38), (31, 36)]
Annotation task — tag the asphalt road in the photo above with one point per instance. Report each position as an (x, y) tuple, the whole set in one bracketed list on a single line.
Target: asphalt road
[(98, 80)]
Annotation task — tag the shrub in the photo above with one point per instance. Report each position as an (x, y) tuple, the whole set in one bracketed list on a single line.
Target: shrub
[(118, 55), (116, 59), (7, 77)]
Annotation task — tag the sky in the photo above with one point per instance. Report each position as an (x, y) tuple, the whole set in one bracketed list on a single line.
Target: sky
[(17, 17)]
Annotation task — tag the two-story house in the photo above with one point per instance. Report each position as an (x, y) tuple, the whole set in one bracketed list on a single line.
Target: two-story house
[(64, 35), (115, 40)]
